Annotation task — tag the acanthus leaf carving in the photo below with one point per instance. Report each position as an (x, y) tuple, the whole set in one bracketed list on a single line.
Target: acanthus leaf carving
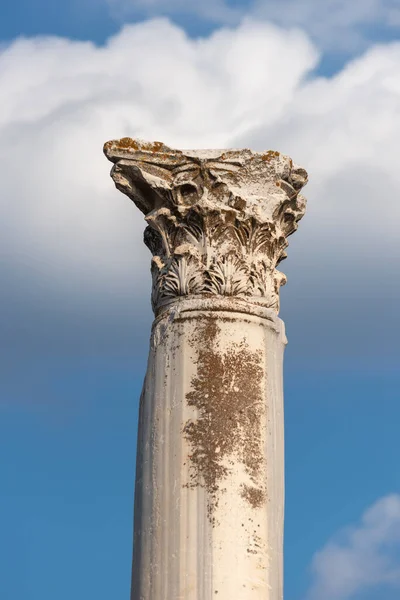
[(218, 221), (228, 276), (184, 277)]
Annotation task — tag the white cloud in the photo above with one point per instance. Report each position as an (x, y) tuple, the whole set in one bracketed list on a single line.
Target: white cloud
[(361, 558), (65, 226), (62, 100)]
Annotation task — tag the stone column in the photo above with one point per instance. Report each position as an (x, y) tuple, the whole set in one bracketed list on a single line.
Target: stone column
[(209, 497)]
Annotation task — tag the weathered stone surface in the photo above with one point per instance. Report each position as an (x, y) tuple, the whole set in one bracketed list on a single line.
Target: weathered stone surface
[(218, 220), (210, 488), (210, 464)]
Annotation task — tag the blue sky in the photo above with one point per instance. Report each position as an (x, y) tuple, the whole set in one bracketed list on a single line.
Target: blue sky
[(75, 313)]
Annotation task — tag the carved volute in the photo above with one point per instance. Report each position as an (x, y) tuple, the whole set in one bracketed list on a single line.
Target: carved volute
[(218, 220)]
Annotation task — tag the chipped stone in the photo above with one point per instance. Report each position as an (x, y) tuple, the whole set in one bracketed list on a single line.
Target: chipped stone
[(210, 461)]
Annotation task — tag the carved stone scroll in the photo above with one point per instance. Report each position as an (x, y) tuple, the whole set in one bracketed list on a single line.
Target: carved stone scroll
[(218, 220)]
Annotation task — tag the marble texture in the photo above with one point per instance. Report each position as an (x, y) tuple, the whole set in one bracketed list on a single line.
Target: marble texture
[(209, 499)]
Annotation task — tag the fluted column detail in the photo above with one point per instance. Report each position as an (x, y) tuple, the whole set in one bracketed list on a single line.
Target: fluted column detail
[(210, 469)]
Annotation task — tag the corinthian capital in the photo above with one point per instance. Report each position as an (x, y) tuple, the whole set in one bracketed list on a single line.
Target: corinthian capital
[(218, 220)]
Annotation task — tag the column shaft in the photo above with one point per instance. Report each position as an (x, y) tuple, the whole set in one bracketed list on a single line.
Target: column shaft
[(209, 487)]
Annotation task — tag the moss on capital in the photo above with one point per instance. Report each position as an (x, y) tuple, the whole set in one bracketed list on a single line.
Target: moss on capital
[(132, 145)]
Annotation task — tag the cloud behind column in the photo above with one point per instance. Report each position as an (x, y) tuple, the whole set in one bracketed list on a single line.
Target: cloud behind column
[(73, 245)]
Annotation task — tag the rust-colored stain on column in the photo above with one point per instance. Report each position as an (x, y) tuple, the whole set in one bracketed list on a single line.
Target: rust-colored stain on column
[(227, 393)]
